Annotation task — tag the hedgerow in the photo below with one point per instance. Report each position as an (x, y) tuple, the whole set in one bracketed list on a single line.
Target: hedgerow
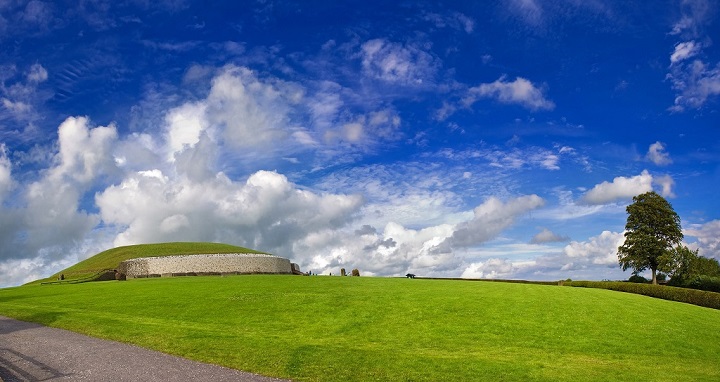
[(707, 283), (690, 296)]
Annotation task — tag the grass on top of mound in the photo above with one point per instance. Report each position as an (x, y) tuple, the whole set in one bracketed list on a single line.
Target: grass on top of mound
[(111, 258), (390, 329)]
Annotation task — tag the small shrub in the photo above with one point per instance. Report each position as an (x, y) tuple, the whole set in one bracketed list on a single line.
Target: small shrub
[(707, 283), (638, 279)]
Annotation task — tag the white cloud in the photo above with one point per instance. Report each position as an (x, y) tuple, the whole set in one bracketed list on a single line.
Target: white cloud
[(253, 118), (395, 63), (45, 222), (695, 83), (624, 188), (592, 259), (395, 250), (620, 188), (601, 249), (85, 152), (20, 95), (454, 20), (567, 208), (657, 154), (708, 238), (684, 50), (520, 91), (695, 14), (490, 269), (266, 212), (17, 108), (694, 80), (529, 10), (6, 181), (547, 236), (184, 125), (251, 112), (491, 218), (37, 74), (666, 184), (412, 194)]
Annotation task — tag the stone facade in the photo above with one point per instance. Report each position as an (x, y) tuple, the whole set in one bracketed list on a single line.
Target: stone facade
[(237, 263)]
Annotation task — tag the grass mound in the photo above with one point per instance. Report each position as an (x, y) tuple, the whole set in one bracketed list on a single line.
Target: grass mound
[(390, 329), (111, 258)]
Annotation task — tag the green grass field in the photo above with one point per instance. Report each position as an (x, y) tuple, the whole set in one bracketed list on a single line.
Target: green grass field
[(362, 328), (112, 257)]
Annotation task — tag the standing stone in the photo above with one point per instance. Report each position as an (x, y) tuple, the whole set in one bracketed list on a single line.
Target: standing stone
[(342, 272), (355, 272)]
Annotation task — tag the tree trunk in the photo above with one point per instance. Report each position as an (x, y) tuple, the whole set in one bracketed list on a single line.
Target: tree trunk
[(654, 273)]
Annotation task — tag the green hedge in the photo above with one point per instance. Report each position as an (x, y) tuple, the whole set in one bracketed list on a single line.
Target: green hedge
[(707, 283), (690, 296)]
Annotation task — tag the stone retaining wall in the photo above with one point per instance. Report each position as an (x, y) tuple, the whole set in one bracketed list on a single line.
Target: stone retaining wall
[(204, 264)]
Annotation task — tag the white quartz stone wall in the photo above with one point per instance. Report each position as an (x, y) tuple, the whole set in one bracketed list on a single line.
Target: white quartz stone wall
[(208, 263)]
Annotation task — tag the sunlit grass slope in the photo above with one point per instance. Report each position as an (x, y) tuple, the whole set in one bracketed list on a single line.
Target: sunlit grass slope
[(111, 258), (389, 329)]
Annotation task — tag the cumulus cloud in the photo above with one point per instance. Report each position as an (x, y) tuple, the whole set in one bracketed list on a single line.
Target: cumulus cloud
[(45, 227), (657, 154), (394, 250), (84, 152), (626, 187), (520, 91), (253, 117), (547, 236), (251, 112), (601, 249), (708, 238), (395, 63), (490, 269), (397, 249), (666, 184), (265, 212), (594, 258), (491, 218)]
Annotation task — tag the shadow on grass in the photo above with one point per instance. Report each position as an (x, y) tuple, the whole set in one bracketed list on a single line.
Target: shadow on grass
[(31, 321)]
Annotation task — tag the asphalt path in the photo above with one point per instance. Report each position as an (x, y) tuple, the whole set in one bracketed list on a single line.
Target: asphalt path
[(32, 352)]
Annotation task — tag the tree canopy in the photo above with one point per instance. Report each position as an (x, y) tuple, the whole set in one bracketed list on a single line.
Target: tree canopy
[(652, 228), (684, 264)]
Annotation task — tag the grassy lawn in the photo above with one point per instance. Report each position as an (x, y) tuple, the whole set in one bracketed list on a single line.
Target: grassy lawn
[(361, 328)]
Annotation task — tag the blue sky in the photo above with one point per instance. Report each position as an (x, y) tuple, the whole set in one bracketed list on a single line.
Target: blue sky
[(495, 139)]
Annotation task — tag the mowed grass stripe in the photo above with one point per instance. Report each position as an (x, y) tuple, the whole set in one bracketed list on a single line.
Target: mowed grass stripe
[(345, 328)]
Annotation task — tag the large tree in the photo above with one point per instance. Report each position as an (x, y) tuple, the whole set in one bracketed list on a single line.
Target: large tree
[(651, 230)]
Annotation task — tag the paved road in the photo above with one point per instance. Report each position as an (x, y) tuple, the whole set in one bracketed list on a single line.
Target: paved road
[(31, 352)]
